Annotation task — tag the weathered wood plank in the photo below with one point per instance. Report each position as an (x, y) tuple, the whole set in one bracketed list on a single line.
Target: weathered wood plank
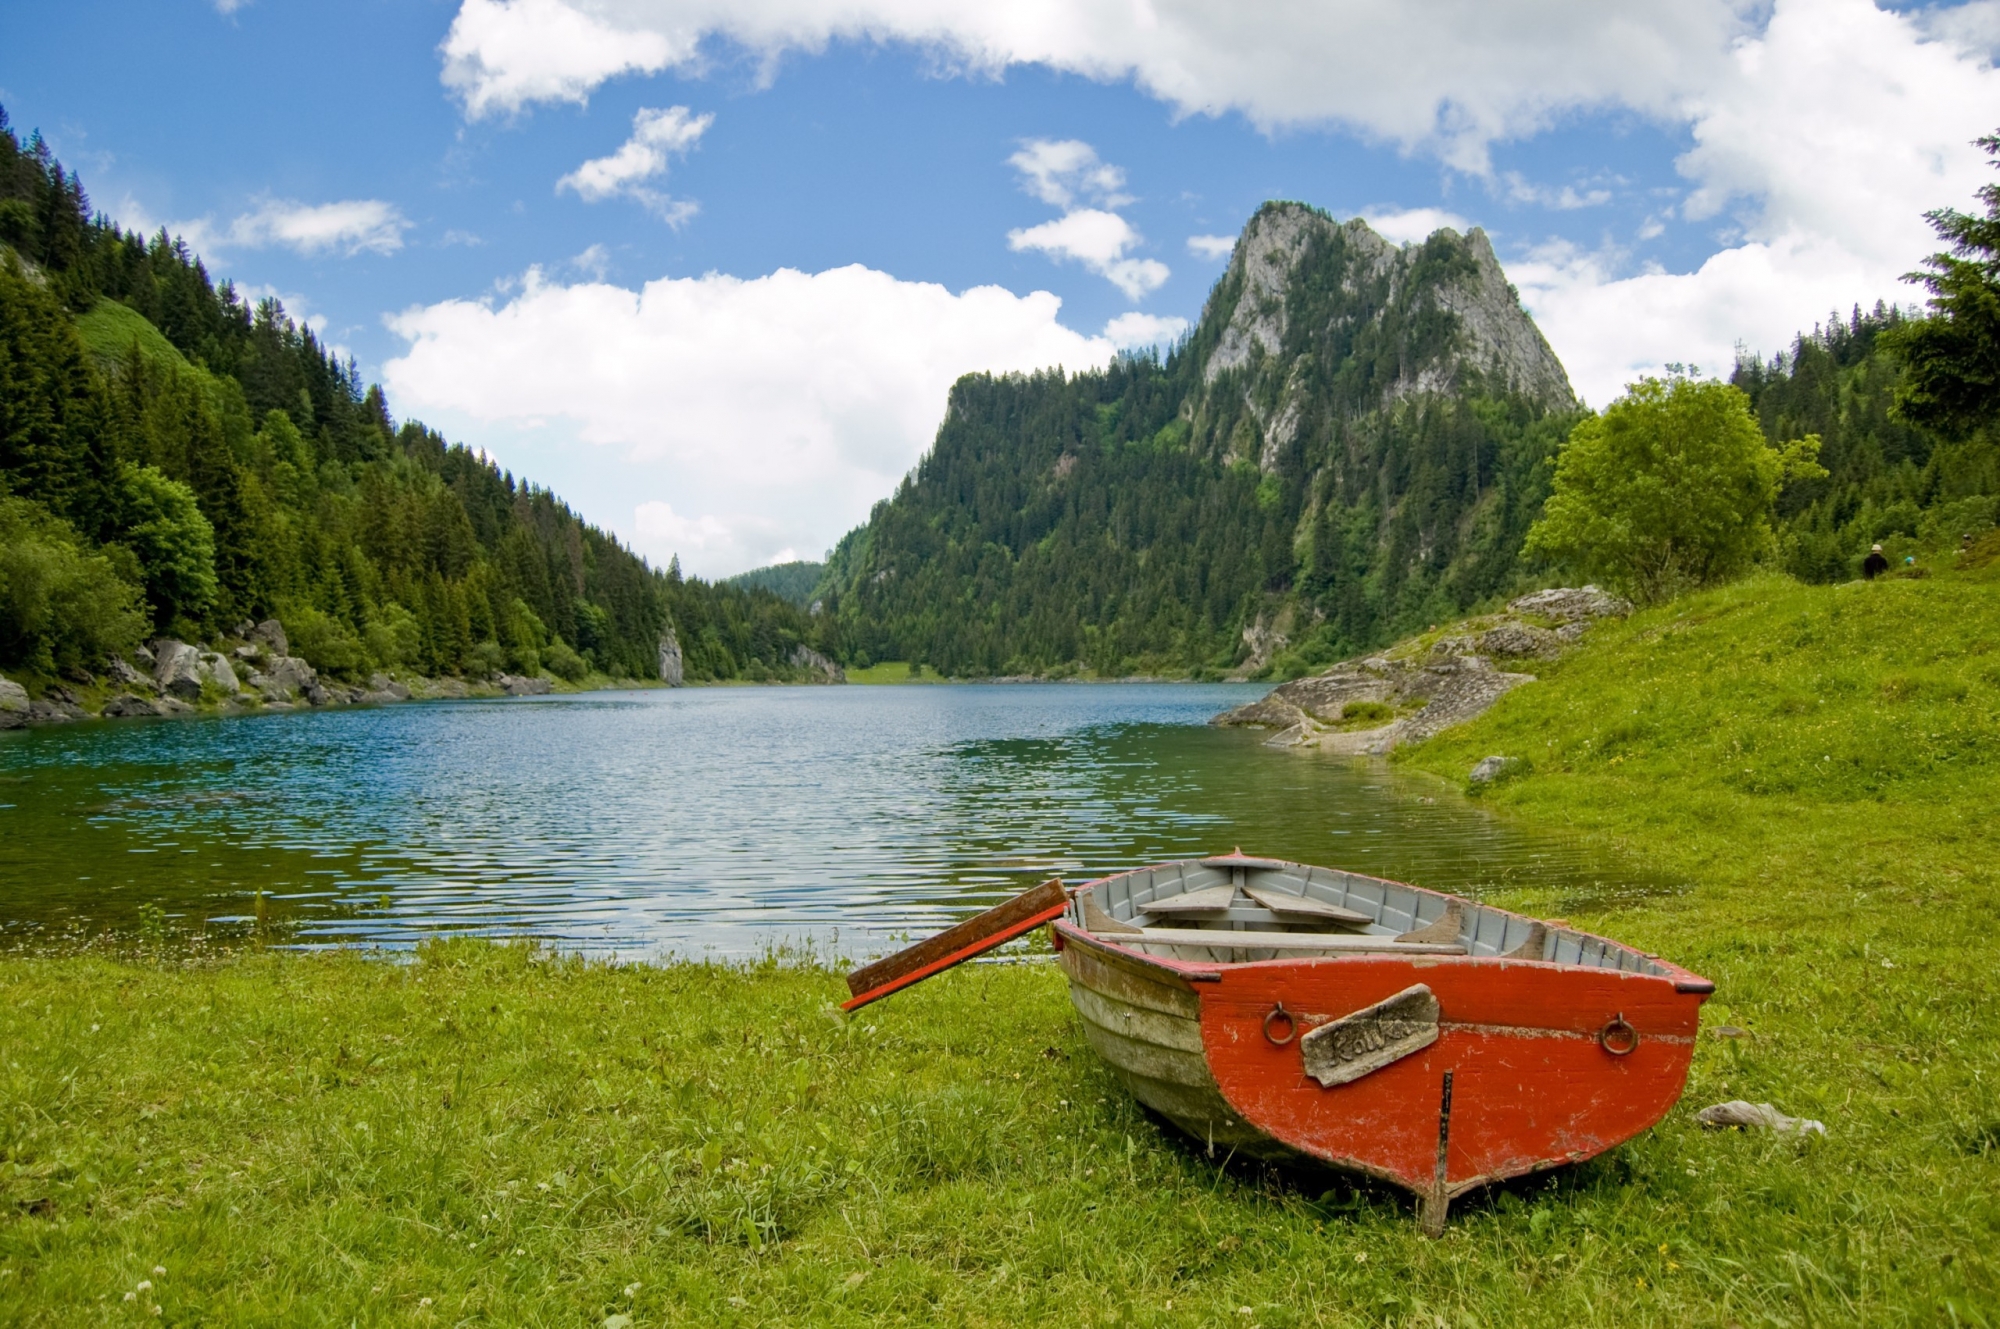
[(979, 933), (1208, 900), (1224, 939), (1301, 906)]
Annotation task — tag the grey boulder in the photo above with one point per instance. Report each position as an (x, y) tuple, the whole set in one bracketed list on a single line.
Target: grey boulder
[(270, 634), (284, 677), (125, 705), (516, 686), (14, 705), (177, 669), (1571, 604), (1492, 768)]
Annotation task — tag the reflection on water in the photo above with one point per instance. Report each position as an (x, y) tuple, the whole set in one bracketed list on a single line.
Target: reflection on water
[(712, 821)]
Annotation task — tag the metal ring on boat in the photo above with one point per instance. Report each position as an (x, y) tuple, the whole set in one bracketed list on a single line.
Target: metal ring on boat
[(1618, 1037), (1278, 1012)]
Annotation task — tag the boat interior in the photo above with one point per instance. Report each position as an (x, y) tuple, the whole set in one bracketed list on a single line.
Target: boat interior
[(1234, 908)]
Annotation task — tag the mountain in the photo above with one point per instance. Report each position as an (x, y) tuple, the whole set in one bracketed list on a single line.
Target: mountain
[(795, 581), (174, 460), (1351, 443)]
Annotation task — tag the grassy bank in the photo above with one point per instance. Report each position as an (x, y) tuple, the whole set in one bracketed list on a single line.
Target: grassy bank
[(490, 1136)]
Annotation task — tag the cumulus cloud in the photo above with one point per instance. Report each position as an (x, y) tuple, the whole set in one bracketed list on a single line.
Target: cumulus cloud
[(355, 226), (656, 137), (1063, 172), (1131, 331), (1454, 73), (1409, 225), (1098, 240), (1522, 190), (1211, 246), (1825, 209), (502, 55), (798, 397)]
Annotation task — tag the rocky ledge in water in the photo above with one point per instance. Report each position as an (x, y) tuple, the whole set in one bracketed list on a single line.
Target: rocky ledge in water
[(1414, 690)]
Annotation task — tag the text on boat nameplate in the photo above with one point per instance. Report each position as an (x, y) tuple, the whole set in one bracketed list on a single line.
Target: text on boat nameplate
[(1355, 1045)]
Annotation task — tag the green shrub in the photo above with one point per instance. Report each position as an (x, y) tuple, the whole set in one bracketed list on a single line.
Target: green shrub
[(394, 636), (63, 607), (1670, 489), (324, 642), (485, 659), (174, 543), (563, 662)]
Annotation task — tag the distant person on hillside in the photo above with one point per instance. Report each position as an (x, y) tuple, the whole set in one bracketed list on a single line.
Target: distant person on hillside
[(1875, 564)]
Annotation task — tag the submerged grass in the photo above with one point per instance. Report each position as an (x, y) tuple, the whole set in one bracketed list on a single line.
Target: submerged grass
[(489, 1134)]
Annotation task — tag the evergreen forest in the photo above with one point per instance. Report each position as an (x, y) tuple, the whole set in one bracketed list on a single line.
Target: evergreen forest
[(175, 461), (1137, 520)]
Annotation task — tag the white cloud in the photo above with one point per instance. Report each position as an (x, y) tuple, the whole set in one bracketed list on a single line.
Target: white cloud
[(349, 227), (1827, 194), (1063, 171), (1410, 225), (501, 55), (1567, 199), (656, 136), (1130, 331), (229, 6), (1098, 240), (595, 260), (1211, 246), (799, 397), (1456, 74)]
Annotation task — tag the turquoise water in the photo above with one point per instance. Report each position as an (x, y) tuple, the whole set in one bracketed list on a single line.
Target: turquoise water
[(717, 821)]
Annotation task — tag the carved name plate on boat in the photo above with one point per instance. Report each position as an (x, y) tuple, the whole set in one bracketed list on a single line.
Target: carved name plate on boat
[(1371, 1038)]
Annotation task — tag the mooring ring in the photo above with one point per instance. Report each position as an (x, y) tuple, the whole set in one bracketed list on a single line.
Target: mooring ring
[(1618, 1037), (1291, 1026)]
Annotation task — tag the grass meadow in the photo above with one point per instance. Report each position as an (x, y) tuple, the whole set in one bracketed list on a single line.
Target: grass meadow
[(488, 1134)]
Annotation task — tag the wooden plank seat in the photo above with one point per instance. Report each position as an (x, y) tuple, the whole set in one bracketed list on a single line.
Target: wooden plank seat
[(1207, 900), (1227, 939), (1306, 909)]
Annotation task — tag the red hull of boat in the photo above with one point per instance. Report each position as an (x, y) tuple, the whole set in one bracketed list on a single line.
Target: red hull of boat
[(1534, 1080)]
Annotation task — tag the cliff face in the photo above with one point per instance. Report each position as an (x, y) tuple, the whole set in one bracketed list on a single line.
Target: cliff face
[(1350, 444), (1316, 316)]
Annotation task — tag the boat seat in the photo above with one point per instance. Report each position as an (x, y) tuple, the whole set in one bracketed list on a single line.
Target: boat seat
[(1305, 909), (1207, 900), (1235, 940)]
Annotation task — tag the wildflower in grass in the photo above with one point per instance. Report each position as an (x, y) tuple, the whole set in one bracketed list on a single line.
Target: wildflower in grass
[(145, 1285), (159, 1271)]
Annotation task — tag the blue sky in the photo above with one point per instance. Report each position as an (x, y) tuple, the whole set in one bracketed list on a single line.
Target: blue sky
[(1663, 182)]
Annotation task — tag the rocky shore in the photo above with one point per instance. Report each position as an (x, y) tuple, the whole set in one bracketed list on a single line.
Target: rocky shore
[(1419, 687), (251, 670)]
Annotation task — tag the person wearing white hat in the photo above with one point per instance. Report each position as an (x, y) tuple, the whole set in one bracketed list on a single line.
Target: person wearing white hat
[(1875, 564)]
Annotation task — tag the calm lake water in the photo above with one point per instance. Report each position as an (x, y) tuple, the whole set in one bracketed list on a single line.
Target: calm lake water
[(716, 821)]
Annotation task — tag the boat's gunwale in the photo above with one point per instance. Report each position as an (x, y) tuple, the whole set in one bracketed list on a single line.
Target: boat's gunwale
[(1210, 971)]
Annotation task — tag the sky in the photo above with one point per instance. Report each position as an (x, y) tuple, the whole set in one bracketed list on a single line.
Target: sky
[(707, 268)]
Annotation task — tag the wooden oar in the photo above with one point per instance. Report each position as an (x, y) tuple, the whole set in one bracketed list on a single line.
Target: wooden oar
[(1002, 923)]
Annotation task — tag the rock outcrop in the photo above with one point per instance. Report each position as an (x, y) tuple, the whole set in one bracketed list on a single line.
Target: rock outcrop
[(515, 686), (177, 669), (1407, 694), (14, 705), (818, 668), (670, 658)]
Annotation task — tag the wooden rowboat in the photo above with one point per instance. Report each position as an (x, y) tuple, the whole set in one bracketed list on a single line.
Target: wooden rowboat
[(1286, 1012), (1290, 1012)]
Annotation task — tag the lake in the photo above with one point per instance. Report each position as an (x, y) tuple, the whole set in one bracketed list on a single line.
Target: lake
[(701, 822)]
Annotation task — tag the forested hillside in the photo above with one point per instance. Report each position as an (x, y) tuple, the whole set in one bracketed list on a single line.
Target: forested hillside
[(1888, 480), (174, 461), (1349, 446), (1351, 443)]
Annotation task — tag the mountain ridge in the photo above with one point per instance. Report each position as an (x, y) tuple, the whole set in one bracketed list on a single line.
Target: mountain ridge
[(1352, 440)]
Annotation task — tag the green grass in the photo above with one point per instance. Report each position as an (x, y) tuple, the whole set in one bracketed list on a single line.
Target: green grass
[(895, 671), (307, 1139), (109, 330)]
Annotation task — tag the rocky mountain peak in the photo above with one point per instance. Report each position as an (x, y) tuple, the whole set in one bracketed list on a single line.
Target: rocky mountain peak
[(1302, 284)]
